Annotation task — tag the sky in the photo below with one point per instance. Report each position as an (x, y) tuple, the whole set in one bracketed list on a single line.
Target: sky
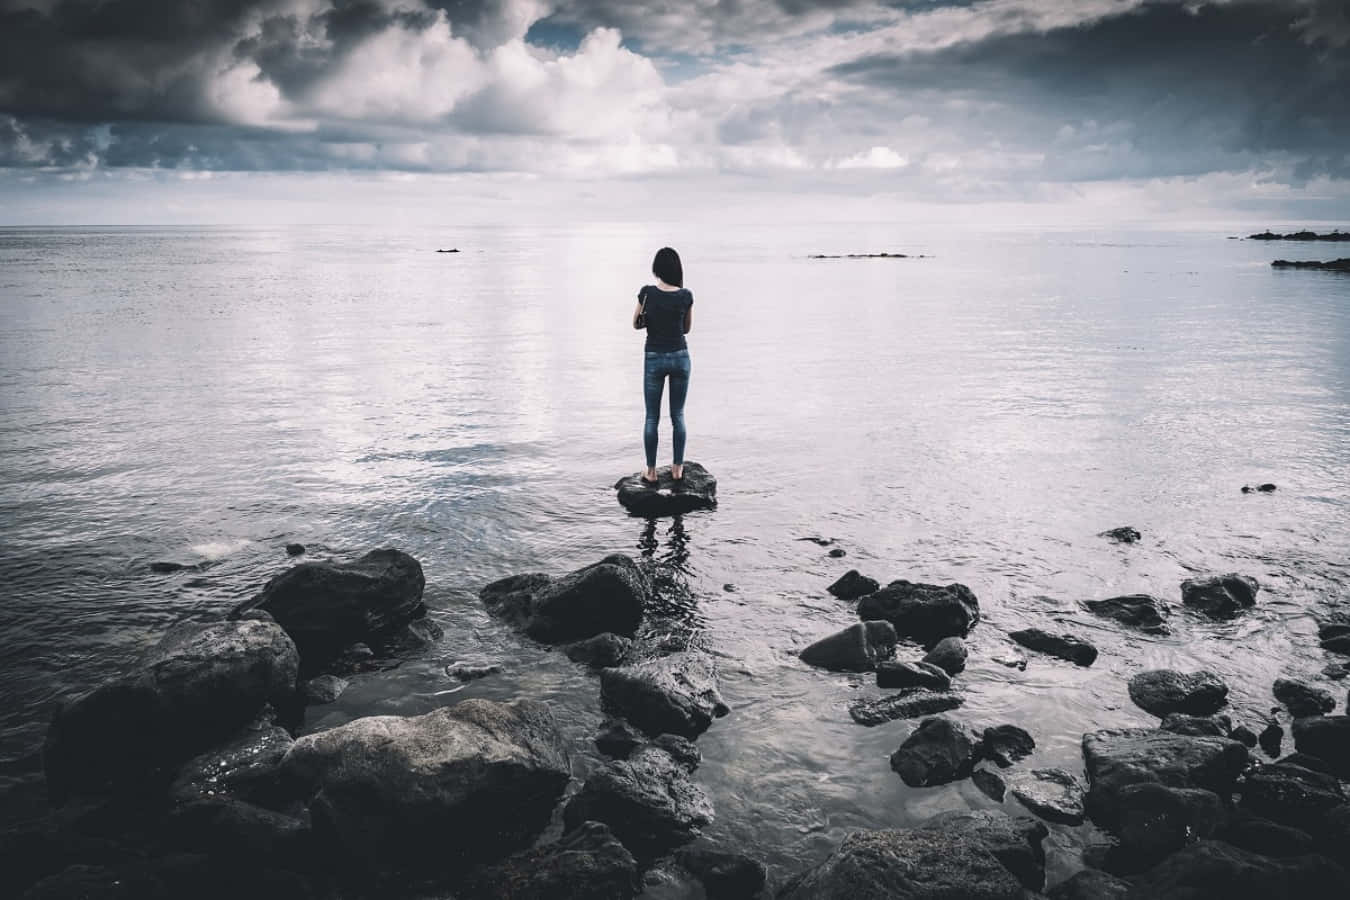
[(1080, 111)]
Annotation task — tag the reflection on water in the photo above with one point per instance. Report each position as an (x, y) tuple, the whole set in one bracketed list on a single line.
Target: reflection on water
[(206, 396)]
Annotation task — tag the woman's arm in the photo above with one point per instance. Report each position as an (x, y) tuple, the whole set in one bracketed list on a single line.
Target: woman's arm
[(688, 318), (637, 318)]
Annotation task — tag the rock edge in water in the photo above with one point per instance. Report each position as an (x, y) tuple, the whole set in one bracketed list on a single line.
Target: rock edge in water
[(668, 497)]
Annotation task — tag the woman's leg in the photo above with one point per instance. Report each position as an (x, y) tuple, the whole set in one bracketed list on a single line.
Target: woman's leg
[(653, 384), (679, 388)]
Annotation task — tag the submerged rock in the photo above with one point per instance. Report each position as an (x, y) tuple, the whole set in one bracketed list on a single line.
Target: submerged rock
[(853, 585), (1267, 838), (467, 672), (295, 549), (857, 648), (1140, 611), (907, 704), (1052, 794), (696, 490), (1163, 691), (1005, 744), (199, 685), (587, 863), (926, 613), (892, 674), (1302, 699), (725, 876), (230, 828), (1327, 738), (1065, 646), (1123, 535), (326, 606), (610, 595), (937, 752), (676, 694), (1153, 820), (1220, 596), (949, 655), (386, 790)]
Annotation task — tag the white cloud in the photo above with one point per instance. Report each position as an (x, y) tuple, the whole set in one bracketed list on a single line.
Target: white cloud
[(876, 158)]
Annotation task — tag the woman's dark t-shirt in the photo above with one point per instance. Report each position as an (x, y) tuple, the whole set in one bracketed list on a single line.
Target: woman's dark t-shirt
[(665, 318)]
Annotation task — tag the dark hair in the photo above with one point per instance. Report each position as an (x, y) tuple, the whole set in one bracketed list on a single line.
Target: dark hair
[(667, 267)]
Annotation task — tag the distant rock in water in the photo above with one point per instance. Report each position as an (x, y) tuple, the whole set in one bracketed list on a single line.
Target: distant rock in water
[(1335, 265), (697, 489), (837, 553), (1163, 691), (1305, 235), (166, 568), (1122, 535), (295, 549), (1220, 596), (907, 704), (857, 648), (451, 250), (853, 585), (923, 612), (610, 595), (866, 256), (1139, 611), (1266, 488), (1065, 646)]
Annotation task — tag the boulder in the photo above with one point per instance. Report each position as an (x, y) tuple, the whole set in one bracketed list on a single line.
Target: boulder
[(1266, 837), (1117, 759), (1065, 646), (386, 790), (681, 749), (1139, 611), (602, 651), (926, 613), (1052, 794), (1125, 534), (892, 674), (587, 863), (1291, 795), (616, 738), (1005, 744), (937, 752), (725, 876), (1244, 734), (676, 694), (853, 584), (949, 655), (668, 497), (906, 704), (197, 686), (1163, 691), (1302, 699), (647, 800), (857, 648), (990, 783), (1015, 841), (1197, 726), (1211, 868), (1220, 596), (609, 595), (1328, 738), (1090, 884), (323, 689), (247, 768), (1270, 738), (1153, 820), (326, 606)]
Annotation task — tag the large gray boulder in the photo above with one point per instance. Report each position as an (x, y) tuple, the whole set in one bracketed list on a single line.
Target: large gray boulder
[(587, 863), (459, 786), (697, 489), (608, 596), (926, 613), (199, 685), (858, 648), (674, 694), (328, 606), (1220, 596), (1164, 691)]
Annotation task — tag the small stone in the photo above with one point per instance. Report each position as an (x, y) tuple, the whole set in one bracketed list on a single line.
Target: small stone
[(852, 585), (729, 588), (1163, 691), (295, 549), (1052, 794), (1302, 699), (1270, 739), (1266, 488), (949, 655), (838, 553), (1123, 535), (906, 704), (1065, 646), (991, 783), (939, 751), (1012, 660), (602, 651), (471, 673), (1005, 744), (892, 674), (324, 689)]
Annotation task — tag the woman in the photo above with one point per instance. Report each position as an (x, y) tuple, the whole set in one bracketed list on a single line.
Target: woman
[(666, 310)]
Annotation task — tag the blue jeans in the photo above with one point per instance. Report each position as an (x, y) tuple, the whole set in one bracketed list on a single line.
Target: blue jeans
[(656, 367)]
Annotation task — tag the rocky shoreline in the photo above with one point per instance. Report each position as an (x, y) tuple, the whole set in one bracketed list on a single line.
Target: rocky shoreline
[(1300, 236), (1335, 265)]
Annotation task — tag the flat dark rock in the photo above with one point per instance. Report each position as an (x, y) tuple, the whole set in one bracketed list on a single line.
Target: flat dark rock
[(1211, 868), (990, 783), (907, 704), (1197, 726), (1052, 794), (892, 674), (1291, 795), (1139, 611), (1163, 691), (1065, 646), (858, 648), (1303, 699), (1300, 236), (852, 585), (926, 613), (1006, 744), (668, 497), (1220, 596), (1326, 737), (882, 255)]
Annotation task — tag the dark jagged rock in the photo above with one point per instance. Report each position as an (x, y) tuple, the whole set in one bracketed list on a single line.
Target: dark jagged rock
[(1197, 726), (1090, 884), (199, 685), (725, 876), (1335, 265), (602, 651), (676, 694), (1140, 611), (1123, 535), (853, 585), (990, 783), (323, 689), (610, 595), (1005, 744), (1270, 738), (1304, 235), (1220, 596), (618, 739), (1052, 794), (1215, 869), (587, 863), (857, 648), (892, 674), (326, 606), (1326, 737), (1302, 699), (295, 549), (1065, 646), (1163, 691), (385, 790), (247, 768), (1244, 734), (647, 800), (1291, 795), (926, 613), (1267, 838), (907, 704), (949, 655), (937, 752), (1118, 759), (681, 749), (696, 490)]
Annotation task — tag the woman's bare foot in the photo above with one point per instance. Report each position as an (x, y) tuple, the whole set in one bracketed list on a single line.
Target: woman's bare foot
[(677, 471), (649, 476)]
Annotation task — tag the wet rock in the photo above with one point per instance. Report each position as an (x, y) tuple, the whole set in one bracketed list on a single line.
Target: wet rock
[(1291, 795), (676, 694), (227, 827), (1215, 869), (1309, 762), (1118, 759), (1090, 884), (199, 685), (1153, 820), (853, 585), (167, 568), (725, 876), (1197, 726), (387, 789), (1052, 794), (682, 750), (610, 595), (696, 490), (937, 752), (857, 648), (1267, 838), (1123, 535), (1245, 735), (587, 863), (1015, 841), (892, 674), (1163, 691), (417, 635), (1012, 660), (602, 651), (1220, 596), (466, 672), (1005, 744), (618, 739), (926, 613), (990, 783), (1326, 737), (1332, 629), (1338, 644), (247, 767), (1302, 699), (295, 549), (1065, 646), (837, 553), (906, 704), (326, 606), (1336, 671), (648, 801), (1139, 611), (949, 655), (323, 689), (1270, 739)]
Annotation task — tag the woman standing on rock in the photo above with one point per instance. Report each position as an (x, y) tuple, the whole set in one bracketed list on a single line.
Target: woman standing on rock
[(666, 310)]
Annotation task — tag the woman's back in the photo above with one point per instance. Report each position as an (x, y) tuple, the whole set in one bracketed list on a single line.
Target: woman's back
[(665, 314)]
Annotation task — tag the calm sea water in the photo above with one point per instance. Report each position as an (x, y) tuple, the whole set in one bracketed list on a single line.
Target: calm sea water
[(205, 396)]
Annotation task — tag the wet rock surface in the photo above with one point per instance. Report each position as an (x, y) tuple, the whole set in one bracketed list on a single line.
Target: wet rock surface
[(1164, 691), (1220, 596), (323, 689), (603, 651), (587, 863), (1291, 795), (1052, 794), (937, 752), (1303, 699), (892, 674), (1116, 759), (1065, 646), (247, 767), (949, 655), (1197, 726), (1090, 884), (906, 704), (1212, 868), (990, 783), (696, 490), (1328, 739), (852, 585), (1139, 611), (675, 694), (608, 596), (926, 613), (858, 648), (1006, 744)]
